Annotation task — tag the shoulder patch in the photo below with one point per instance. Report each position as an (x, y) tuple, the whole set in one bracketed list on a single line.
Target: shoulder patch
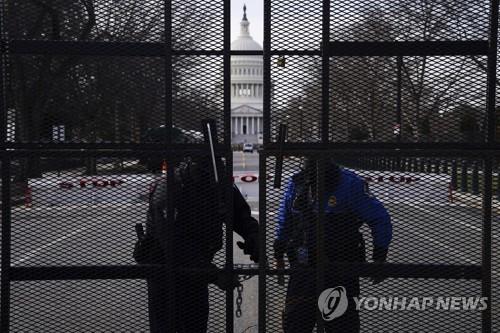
[(332, 201)]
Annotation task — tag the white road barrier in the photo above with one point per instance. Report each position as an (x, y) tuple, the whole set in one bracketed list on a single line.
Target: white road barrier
[(388, 186), (406, 187), (62, 190)]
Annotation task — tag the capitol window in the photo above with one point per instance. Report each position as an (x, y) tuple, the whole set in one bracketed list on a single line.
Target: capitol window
[(244, 92)]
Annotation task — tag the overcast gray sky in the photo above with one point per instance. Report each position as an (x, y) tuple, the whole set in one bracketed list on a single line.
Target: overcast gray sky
[(255, 15)]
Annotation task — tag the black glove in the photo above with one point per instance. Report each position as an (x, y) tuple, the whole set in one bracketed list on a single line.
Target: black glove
[(251, 246), (147, 250), (279, 248), (379, 256)]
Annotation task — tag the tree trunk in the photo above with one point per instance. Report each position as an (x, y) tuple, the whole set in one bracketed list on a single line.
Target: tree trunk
[(90, 166)]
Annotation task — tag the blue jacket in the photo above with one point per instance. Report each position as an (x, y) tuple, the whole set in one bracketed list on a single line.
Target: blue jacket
[(347, 200)]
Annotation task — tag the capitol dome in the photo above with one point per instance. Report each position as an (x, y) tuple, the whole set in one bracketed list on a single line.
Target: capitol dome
[(247, 88), (245, 42)]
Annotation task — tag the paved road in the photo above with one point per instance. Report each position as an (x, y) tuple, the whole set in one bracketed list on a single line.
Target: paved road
[(245, 161), (246, 166), (102, 234)]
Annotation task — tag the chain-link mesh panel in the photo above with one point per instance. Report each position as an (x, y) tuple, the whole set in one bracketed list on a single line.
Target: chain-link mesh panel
[(497, 96), (124, 21), (435, 208), (441, 99), (197, 25), (198, 93), (495, 243), (436, 193), (296, 26), (92, 306), (79, 306), (428, 208), (387, 306), (296, 97), (71, 211), (364, 20), (363, 92), (92, 99), (275, 303), (277, 295), (386, 314), (83, 212)]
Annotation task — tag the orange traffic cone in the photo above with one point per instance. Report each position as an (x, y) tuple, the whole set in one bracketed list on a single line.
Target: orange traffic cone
[(164, 167)]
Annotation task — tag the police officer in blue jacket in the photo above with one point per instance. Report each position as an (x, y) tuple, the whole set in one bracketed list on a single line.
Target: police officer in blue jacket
[(348, 204)]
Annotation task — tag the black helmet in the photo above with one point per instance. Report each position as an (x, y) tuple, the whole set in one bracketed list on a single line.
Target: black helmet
[(310, 170)]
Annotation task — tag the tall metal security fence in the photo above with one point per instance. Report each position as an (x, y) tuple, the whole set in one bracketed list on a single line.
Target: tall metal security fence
[(387, 90), (400, 94), (108, 85)]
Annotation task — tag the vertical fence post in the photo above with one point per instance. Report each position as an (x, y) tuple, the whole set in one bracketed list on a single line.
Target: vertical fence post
[(445, 166), (437, 166), (486, 249), (428, 165), (497, 177), (262, 244), (475, 178), (6, 246), (262, 167), (487, 172), (320, 232), (415, 164), (454, 175), (464, 185), (167, 272), (399, 98), (227, 183), (6, 202), (325, 137)]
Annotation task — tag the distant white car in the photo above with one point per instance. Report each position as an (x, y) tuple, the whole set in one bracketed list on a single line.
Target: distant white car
[(248, 147)]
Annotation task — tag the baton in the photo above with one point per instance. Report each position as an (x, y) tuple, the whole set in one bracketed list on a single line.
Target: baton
[(209, 138)]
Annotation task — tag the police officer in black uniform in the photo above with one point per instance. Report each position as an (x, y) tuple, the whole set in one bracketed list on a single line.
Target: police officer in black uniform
[(198, 234)]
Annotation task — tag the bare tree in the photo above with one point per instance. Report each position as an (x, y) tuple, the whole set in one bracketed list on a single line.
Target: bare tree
[(97, 99), (363, 89)]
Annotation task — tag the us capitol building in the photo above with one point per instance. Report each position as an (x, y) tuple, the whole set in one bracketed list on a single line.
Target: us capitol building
[(247, 89)]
